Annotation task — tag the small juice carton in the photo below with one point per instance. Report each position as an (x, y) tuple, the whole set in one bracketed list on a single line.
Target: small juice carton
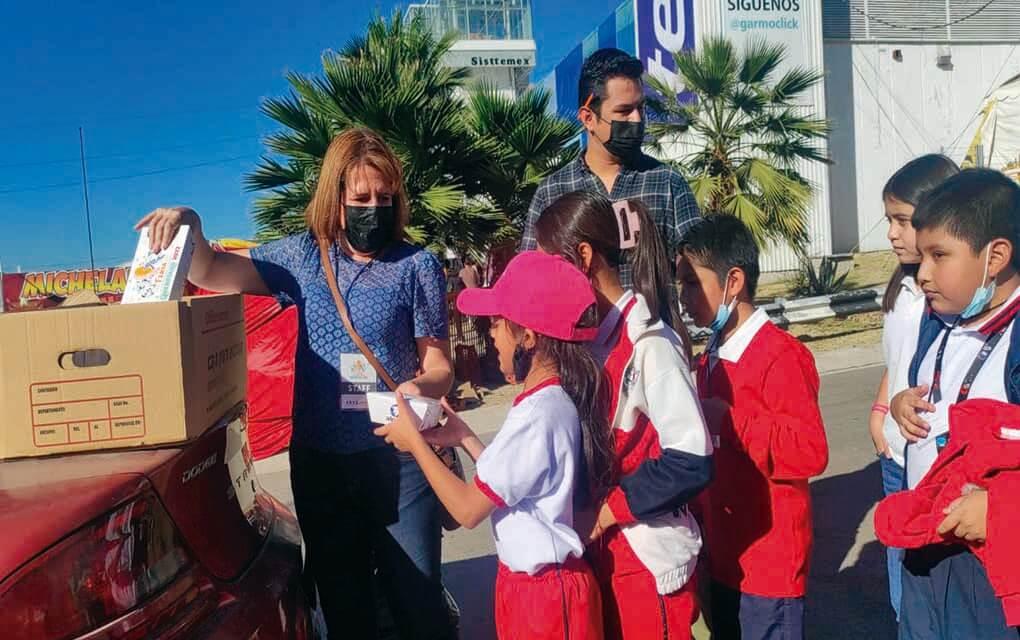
[(382, 408), (159, 277)]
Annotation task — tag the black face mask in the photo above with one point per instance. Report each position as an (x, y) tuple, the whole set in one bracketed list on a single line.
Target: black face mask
[(369, 229), (522, 363), (625, 139)]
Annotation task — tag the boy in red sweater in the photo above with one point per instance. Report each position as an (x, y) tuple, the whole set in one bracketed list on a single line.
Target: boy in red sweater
[(759, 392)]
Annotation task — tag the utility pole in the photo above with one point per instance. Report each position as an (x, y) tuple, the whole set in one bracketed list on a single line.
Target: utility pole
[(88, 212)]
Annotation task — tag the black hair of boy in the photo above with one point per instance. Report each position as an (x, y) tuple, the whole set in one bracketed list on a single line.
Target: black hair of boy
[(601, 67), (722, 242), (975, 206), (909, 184)]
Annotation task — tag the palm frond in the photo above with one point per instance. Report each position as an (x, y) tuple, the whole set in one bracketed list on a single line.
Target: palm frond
[(761, 58)]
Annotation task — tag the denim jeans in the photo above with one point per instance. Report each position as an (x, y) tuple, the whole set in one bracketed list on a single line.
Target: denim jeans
[(367, 516), (893, 480)]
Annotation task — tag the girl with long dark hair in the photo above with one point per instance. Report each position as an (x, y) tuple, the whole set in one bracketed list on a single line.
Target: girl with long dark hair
[(552, 455), (644, 543), (903, 305)]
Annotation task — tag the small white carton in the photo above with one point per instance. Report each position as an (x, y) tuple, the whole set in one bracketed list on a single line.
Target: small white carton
[(382, 408), (159, 277)]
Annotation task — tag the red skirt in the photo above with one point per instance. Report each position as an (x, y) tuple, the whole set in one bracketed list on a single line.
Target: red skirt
[(560, 602)]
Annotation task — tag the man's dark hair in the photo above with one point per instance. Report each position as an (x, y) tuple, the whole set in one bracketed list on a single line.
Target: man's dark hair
[(722, 242), (599, 69), (975, 206)]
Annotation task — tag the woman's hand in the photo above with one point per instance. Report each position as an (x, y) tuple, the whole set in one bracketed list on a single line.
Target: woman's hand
[(410, 388), (905, 409), (402, 432), (164, 223)]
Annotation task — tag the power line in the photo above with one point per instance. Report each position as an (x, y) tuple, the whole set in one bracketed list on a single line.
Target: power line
[(892, 95), (878, 103), (931, 27), (134, 154), (131, 176), (161, 115), (981, 103), (110, 262)]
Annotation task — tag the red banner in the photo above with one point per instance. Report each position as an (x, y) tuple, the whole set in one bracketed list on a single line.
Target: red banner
[(45, 289)]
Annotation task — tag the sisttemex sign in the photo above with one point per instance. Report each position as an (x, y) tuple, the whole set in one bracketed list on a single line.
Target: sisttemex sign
[(490, 58)]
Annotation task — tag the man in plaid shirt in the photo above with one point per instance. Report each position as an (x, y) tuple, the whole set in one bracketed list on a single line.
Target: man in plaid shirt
[(612, 112)]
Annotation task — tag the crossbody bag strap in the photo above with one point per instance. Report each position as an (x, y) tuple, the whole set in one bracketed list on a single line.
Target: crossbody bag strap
[(341, 308)]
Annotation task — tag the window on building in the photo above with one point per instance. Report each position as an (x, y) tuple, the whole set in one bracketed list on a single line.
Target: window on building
[(516, 20), (495, 24), (476, 24)]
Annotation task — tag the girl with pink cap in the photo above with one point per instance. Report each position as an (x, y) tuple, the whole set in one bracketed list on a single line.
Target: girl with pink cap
[(552, 454)]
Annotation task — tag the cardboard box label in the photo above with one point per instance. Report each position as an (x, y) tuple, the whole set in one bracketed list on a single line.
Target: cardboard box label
[(88, 410)]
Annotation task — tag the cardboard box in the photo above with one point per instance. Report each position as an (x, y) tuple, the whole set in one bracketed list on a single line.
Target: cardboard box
[(159, 277), (382, 408), (106, 377)]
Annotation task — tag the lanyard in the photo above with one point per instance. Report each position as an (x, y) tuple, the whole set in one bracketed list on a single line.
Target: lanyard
[(336, 274), (935, 395)]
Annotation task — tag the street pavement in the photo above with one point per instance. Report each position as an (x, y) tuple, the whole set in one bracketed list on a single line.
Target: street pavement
[(847, 592)]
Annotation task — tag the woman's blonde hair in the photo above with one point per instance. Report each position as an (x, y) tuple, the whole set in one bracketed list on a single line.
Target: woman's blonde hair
[(353, 149)]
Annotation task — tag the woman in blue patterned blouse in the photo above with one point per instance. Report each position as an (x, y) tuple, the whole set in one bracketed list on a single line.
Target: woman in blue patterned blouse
[(363, 508)]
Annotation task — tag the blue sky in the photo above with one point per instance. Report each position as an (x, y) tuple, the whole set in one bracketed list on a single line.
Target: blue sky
[(166, 89)]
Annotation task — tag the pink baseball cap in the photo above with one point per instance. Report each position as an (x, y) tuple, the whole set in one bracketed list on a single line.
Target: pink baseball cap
[(537, 291)]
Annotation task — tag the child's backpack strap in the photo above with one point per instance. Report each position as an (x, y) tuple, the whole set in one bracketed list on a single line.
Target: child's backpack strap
[(931, 326), (1012, 372)]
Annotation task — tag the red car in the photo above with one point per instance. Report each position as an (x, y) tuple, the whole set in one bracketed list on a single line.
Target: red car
[(157, 544)]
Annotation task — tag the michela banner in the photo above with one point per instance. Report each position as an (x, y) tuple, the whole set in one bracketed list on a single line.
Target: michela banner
[(45, 289)]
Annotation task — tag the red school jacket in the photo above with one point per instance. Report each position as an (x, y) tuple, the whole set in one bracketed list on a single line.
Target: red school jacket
[(977, 453), (757, 511)]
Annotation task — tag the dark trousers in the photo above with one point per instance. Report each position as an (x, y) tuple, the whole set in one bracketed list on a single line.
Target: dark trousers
[(369, 516), (742, 616), (947, 596)]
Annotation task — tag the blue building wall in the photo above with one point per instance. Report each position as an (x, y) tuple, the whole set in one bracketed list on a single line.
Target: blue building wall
[(617, 30)]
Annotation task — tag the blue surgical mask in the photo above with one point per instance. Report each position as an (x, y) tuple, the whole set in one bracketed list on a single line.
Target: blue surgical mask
[(983, 295), (722, 316)]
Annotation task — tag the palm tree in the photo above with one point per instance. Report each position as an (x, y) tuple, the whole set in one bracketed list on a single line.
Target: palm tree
[(470, 166), (392, 80), (525, 144), (748, 133)]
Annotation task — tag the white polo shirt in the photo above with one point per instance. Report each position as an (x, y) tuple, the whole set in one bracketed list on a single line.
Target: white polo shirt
[(529, 472), (899, 342), (961, 350), (733, 349)]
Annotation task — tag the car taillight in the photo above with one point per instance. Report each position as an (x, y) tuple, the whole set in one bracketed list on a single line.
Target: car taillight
[(96, 575)]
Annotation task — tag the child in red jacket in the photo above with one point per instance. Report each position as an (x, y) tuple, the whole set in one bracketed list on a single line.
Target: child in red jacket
[(968, 496), (759, 391)]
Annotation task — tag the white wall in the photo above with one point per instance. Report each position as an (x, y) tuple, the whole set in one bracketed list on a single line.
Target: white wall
[(804, 48), (886, 112)]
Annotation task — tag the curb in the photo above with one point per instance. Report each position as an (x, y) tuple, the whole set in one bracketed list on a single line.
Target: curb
[(785, 312)]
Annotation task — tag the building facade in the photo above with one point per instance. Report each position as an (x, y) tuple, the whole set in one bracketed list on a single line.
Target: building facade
[(494, 39), (902, 78), (653, 29)]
